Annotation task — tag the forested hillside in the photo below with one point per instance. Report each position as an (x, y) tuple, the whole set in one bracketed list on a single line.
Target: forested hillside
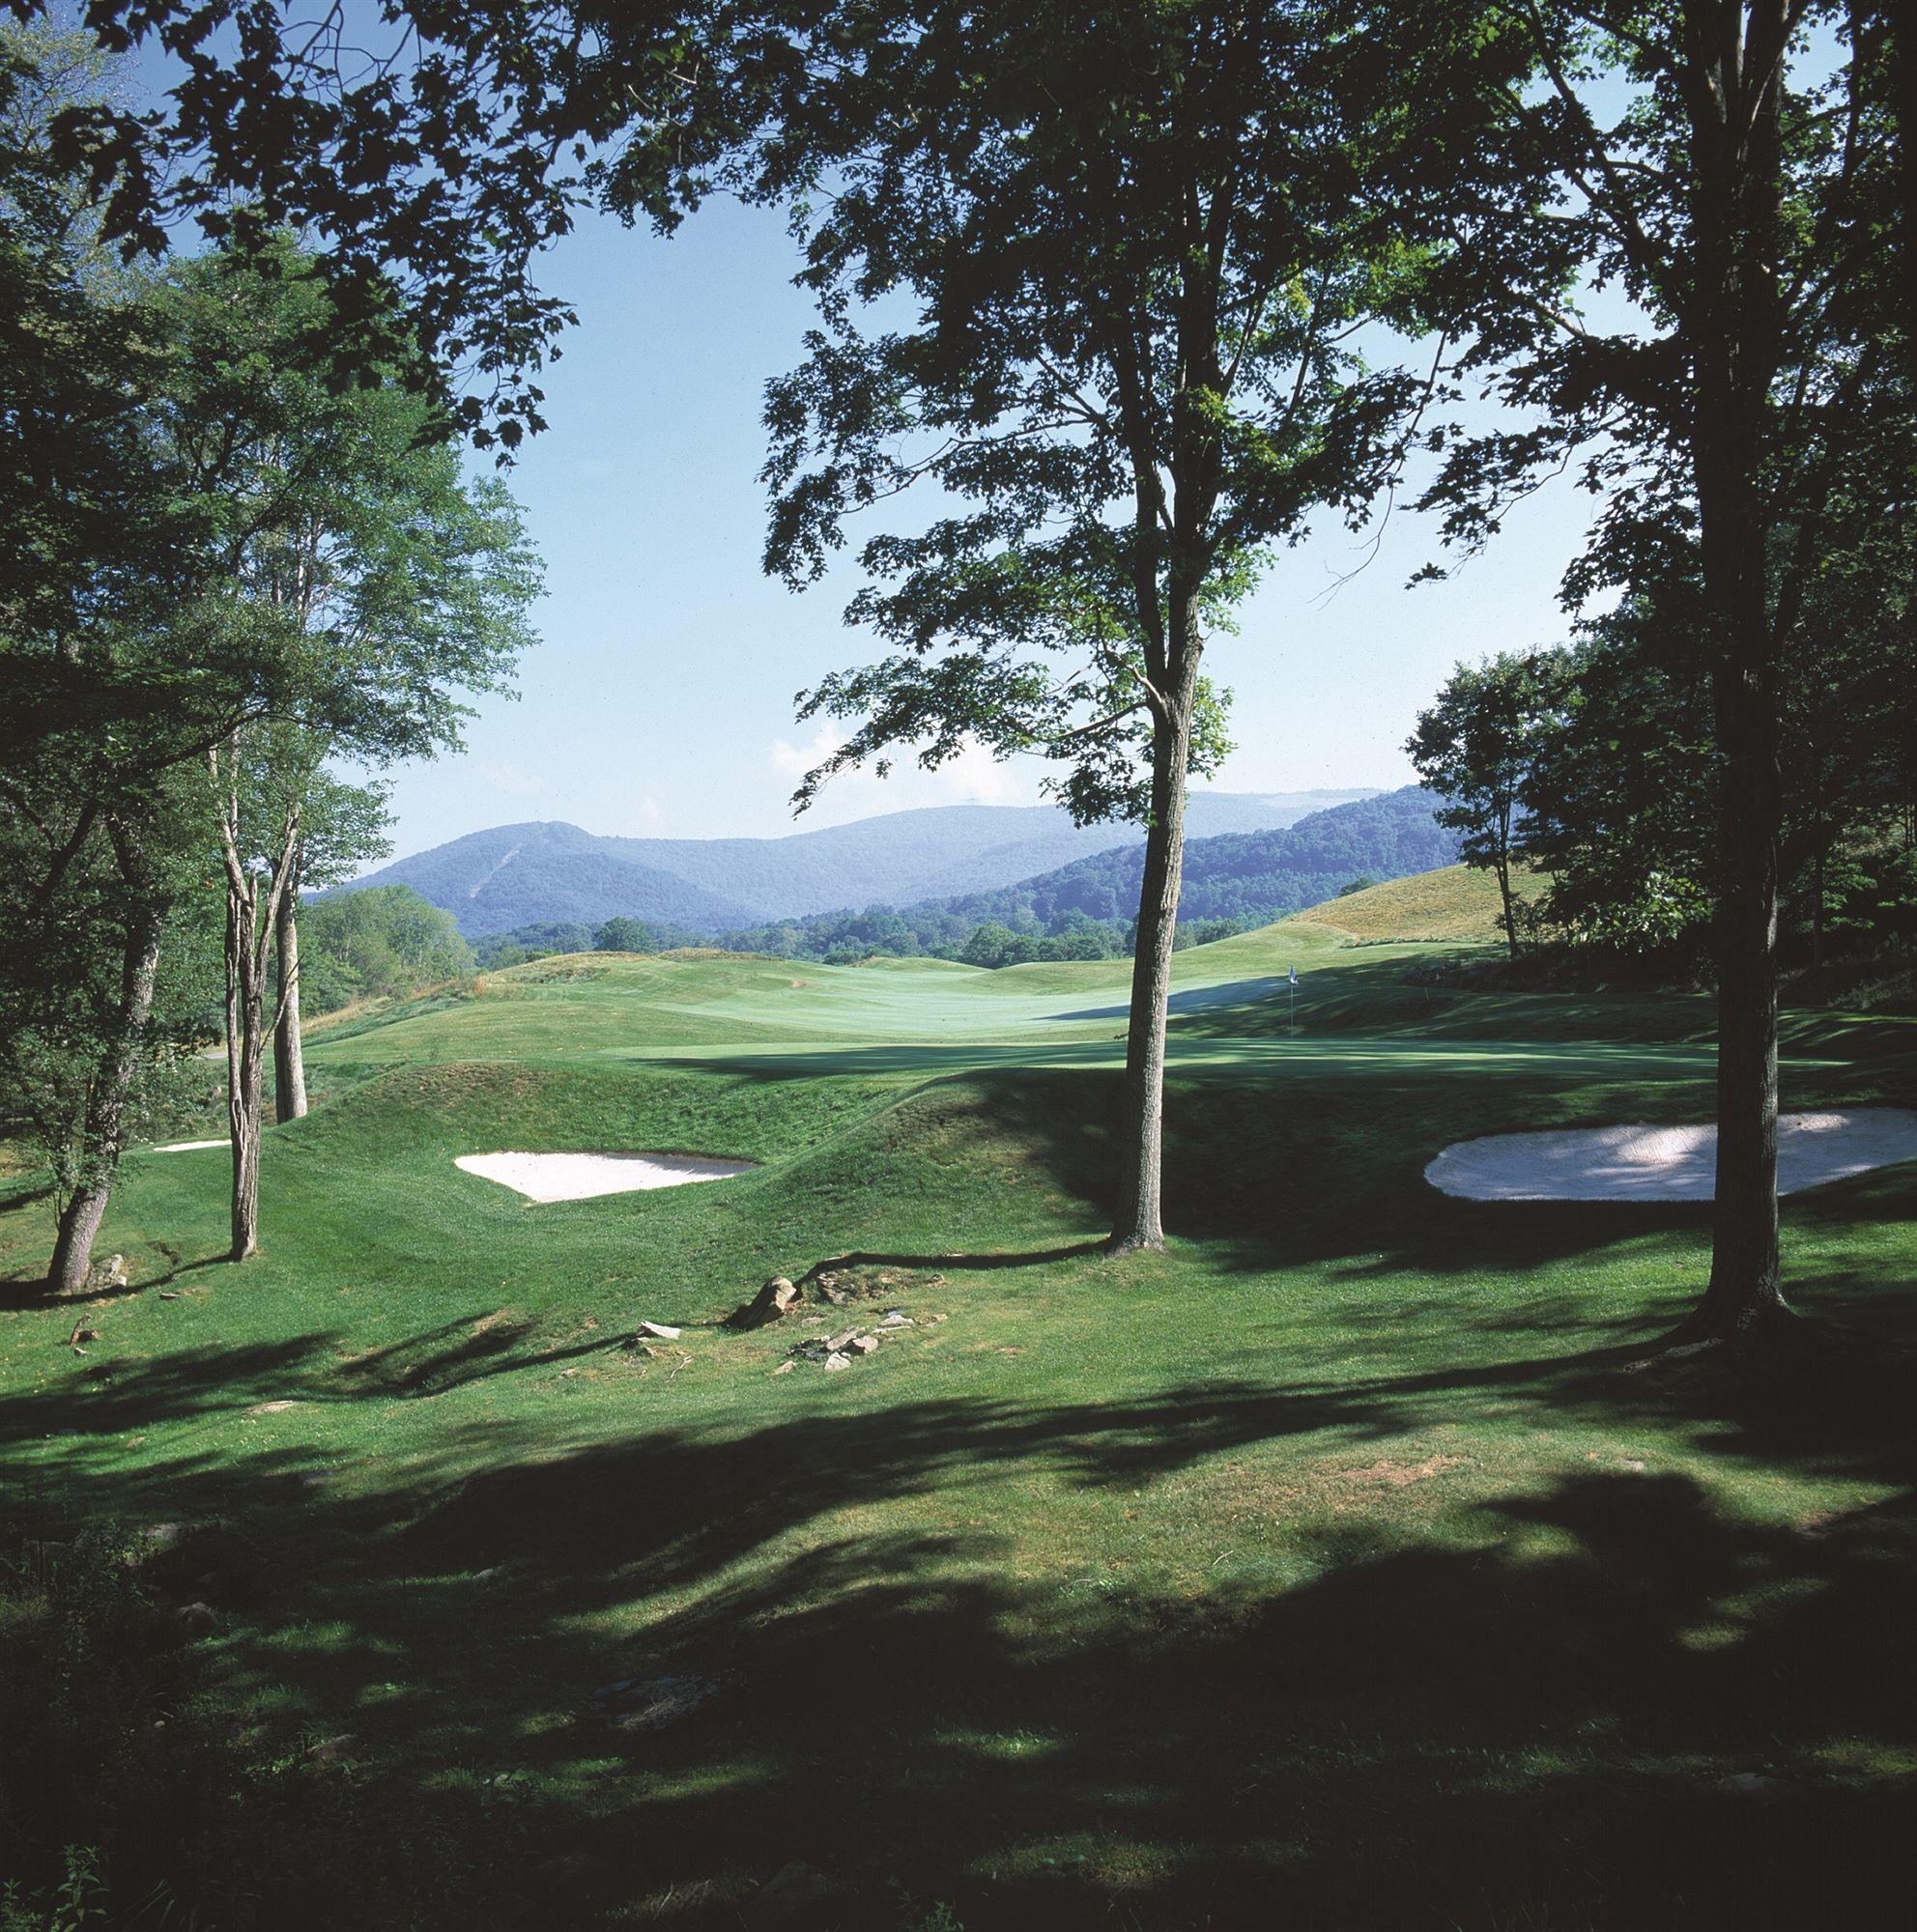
[(1247, 875), (1084, 910), (510, 877), (1081, 911)]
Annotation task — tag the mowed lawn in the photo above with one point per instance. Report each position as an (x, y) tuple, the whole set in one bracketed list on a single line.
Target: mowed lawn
[(1336, 1569)]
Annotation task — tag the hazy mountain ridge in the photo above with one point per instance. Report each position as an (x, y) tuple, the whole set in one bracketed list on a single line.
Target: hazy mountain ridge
[(1235, 875), (509, 877)]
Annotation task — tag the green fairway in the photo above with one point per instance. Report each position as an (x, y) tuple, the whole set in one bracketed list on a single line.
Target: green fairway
[(1333, 1568)]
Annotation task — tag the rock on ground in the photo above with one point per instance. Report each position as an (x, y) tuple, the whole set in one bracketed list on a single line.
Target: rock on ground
[(772, 1303), (651, 1703)]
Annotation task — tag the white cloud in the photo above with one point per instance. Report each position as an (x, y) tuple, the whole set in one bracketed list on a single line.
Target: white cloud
[(793, 761), (974, 777)]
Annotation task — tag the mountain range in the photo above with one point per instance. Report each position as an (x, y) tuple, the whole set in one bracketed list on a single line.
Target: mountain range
[(1236, 875), (516, 875), (1243, 878)]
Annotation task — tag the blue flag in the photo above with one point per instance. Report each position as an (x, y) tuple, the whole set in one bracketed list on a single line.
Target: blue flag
[(1294, 975)]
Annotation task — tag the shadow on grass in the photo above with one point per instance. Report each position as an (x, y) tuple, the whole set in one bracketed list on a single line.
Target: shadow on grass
[(1515, 1711), (1349, 993), (1509, 1707), (1266, 1172), (1234, 996), (18, 1197), (956, 1263)]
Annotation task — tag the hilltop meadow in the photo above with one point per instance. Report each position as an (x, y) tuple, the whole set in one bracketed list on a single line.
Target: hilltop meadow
[(1337, 1567)]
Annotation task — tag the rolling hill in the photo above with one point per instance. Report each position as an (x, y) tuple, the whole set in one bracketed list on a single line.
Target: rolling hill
[(510, 875), (1455, 903), (514, 875), (1255, 874)]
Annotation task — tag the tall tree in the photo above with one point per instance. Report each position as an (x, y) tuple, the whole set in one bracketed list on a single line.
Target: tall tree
[(342, 827), (1619, 801), (1721, 182), (1478, 747), (383, 584), (1123, 365), (103, 543)]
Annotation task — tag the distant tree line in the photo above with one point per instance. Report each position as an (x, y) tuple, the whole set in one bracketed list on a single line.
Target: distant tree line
[(835, 939), (1592, 768)]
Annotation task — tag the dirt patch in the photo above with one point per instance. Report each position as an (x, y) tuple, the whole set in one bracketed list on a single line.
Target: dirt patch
[(1397, 1475)]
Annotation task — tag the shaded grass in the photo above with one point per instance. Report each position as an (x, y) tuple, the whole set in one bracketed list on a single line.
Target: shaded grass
[(1328, 1568)]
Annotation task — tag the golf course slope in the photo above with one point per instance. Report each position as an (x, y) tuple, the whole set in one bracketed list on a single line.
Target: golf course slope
[(1333, 1569), (1453, 903)]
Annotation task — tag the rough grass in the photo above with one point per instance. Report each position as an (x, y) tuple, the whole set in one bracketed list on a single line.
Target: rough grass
[(1457, 903), (1332, 1570)]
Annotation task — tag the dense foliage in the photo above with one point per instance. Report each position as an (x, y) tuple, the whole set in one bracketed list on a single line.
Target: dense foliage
[(233, 570), (1259, 875), (1476, 746), (1604, 766), (383, 943)]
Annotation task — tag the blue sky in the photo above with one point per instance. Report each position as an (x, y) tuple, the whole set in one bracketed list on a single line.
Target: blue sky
[(661, 698)]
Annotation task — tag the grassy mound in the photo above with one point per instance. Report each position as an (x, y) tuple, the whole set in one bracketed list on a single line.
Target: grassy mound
[(1455, 904), (1332, 1562)]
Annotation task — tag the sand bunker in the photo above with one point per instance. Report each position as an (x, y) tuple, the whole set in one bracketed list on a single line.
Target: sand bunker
[(188, 1147), (1641, 1163), (581, 1177)]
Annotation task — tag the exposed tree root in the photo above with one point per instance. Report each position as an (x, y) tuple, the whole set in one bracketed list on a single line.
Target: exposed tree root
[(1120, 1246), (1768, 1353)]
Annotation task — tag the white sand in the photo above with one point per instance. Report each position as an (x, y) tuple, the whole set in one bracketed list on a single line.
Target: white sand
[(1641, 1163), (188, 1147), (581, 1177)]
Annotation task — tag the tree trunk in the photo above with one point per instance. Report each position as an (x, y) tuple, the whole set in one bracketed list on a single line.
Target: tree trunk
[(1735, 328), (105, 1124), (251, 925), (288, 1061), (1505, 893), (1746, 1290), (79, 1226), (245, 1057), (1819, 861), (1139, 1222), (1903, 98)]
